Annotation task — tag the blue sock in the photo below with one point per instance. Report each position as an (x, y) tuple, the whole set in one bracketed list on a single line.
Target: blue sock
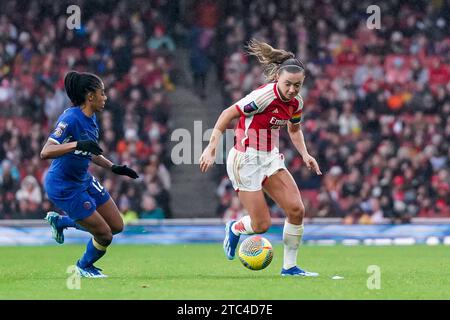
[(92, 254), (67, 222)]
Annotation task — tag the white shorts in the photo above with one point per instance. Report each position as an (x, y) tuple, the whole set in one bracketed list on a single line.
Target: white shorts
[(248, 170)]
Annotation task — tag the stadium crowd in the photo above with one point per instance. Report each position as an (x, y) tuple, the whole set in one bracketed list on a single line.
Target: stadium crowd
[(377, 102), (126, 43)]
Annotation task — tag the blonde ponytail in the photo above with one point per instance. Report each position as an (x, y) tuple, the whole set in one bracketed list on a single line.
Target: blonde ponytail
[(269, 57)]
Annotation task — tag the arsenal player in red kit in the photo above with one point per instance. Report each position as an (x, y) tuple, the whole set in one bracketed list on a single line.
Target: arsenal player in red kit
[(254, 164)]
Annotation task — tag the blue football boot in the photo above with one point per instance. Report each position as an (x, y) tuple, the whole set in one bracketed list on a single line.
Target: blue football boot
[(296, 271), (90, 271), (230, 242)]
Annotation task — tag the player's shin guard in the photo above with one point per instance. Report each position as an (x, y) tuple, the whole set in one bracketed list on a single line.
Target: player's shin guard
[(243, 226), (292, 237), (94, 251)]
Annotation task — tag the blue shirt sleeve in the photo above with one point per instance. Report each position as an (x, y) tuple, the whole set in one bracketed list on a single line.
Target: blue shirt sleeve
[(63, 131)]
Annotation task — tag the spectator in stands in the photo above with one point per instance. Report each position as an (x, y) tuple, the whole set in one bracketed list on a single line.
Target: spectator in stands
[(128, 215), (235, 211), (149, 208), (200, 41), (9, 176), (29, 197), (160, 40)]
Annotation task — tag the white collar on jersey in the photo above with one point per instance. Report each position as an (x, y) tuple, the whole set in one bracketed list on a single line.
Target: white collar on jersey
[(279, 94)]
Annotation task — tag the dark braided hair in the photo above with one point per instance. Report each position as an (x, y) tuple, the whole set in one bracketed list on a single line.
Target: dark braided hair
[(78, 85)]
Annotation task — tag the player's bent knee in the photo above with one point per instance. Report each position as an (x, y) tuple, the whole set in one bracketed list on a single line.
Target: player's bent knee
[(104, 238), (116, 229), (296, 213), (297, 210)]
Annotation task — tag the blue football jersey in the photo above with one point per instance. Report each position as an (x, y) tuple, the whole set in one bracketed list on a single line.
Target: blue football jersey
[(71, 169)]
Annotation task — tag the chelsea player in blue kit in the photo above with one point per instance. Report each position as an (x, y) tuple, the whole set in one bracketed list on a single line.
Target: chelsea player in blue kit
[(73, 145)]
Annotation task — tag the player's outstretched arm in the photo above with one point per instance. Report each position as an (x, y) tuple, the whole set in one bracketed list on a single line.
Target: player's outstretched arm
[(209, 154), (51, 149), (89, 146), (297, 138), (117, 169)]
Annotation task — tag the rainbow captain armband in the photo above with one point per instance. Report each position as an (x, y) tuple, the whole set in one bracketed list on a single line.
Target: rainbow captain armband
[(296, 119)]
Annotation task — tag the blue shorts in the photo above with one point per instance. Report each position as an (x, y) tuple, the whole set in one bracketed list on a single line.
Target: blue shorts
[(78, 204)]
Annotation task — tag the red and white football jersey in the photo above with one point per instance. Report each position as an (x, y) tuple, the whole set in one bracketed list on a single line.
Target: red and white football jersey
[(263, 113)]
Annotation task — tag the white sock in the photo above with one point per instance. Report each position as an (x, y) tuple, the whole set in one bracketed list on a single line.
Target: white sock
[(243, 226), (292, 237)]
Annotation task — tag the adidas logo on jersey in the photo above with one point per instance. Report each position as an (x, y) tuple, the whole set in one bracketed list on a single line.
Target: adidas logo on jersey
[(275, 110)]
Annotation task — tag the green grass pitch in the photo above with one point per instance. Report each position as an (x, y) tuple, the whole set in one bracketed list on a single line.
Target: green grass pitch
[(201, 271)]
